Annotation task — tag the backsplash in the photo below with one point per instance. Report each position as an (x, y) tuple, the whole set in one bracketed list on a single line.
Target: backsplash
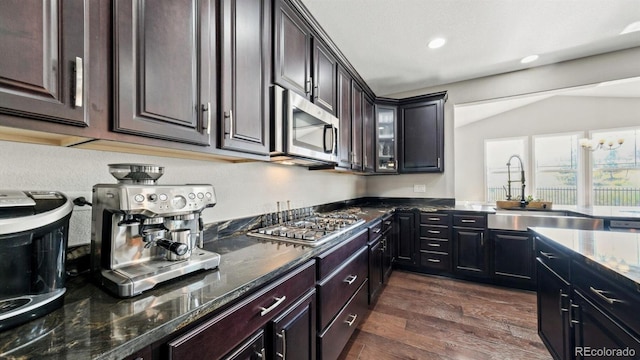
[(242, 189)]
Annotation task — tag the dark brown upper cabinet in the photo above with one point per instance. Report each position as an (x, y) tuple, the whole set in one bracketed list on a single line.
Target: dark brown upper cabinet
[(44, 63), (368, 136), (301, 62), (357, 98), (245, 75), (165, 69), (421, 134), (344, 115)]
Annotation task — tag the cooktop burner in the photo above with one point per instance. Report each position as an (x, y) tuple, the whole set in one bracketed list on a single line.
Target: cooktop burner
[(313, 231)]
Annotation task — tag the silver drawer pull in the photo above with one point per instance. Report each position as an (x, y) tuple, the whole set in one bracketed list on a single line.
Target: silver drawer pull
[(387, 222), (433, 245), (433, 219), (433, 231), (433, 260), (601, 295), (279, 301), (351, 319), (283, 336), (377, 230), (468, 221), (549, 256), (350, 279)]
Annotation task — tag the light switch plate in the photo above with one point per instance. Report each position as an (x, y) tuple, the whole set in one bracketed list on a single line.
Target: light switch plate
[(419, 188)]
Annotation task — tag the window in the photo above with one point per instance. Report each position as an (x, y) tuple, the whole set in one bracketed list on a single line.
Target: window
[(565, 173), (556, 168), (616, 173), (496, 155)]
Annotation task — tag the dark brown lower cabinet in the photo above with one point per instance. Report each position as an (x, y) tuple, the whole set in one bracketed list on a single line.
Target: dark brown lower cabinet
[(285, 307), (513, 258), (598, 336), (333, 339), (376, 255), (471, 255), (294, 332), (553, 312), (406, 238)]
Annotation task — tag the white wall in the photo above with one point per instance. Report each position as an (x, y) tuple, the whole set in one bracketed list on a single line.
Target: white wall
[(589, 70), (242, 189), (558, 114)]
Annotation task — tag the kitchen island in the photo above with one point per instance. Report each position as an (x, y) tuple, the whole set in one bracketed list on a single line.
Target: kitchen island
[(588, 292)]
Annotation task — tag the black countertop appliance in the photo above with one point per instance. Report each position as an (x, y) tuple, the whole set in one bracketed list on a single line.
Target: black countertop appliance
[(34, 228)]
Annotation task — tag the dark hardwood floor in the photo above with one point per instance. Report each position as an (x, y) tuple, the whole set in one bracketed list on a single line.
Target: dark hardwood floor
[(429, 317)]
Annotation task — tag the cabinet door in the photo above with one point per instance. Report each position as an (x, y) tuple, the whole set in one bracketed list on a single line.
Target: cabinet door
[(252, 349), (421, 133), (44, 63), (294, 332), (387, 256), (385, 142), (406, 238), (368, 123), (164, 69), (246, 44), (513, 258), (553, 312), (595, 331), (344, 115), (470, 252), (356, 126), (292, 58), (375, 269), (324, 77)]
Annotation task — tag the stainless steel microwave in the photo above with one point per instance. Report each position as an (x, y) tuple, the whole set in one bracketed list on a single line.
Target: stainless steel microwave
[(303, 132)]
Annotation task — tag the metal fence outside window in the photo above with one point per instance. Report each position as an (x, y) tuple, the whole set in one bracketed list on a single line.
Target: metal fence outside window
[(602, 196)]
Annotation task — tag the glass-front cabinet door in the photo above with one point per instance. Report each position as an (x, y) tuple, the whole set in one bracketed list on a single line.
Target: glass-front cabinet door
[(386, 150)]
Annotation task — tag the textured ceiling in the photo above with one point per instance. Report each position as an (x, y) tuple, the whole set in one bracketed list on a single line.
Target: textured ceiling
[(386, 40)]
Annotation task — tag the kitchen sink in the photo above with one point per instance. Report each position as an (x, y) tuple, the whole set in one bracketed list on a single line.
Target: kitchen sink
[(520, 220)]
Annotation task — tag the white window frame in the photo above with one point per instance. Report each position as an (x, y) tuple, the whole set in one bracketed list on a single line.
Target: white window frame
[(525, 156), (581, 170)]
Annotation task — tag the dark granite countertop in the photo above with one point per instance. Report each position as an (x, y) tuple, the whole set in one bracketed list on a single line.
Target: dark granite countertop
[(95, 325), (616, 254)]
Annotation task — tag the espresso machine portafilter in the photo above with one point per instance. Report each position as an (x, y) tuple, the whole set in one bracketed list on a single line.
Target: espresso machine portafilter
[(143, 233)]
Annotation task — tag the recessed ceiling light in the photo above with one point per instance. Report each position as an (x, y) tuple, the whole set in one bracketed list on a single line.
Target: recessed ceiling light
[(529, 59), (436, 43), (634, 26)]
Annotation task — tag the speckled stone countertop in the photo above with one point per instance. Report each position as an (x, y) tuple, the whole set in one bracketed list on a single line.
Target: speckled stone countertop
[(616, 254), (95, 325)]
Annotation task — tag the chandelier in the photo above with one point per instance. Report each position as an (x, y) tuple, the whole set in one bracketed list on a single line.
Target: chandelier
[(602, 144)]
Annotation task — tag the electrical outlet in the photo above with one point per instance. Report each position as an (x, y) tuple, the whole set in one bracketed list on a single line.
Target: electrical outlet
[(419, 188)]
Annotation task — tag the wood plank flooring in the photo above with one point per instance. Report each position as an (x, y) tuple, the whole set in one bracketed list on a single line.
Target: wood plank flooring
[(429, 317)]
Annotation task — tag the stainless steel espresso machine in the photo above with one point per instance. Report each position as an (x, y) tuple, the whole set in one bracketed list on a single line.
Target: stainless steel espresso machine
[(143, 233)]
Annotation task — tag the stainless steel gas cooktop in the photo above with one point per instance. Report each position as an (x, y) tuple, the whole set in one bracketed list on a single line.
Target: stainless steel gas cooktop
[(311, 231)]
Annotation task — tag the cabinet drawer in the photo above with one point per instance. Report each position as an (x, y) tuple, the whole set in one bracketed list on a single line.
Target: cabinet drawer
[(333, 340), (439, 245), (387, 223), (335, 290), (552, 256), (434, 232), (220, 335), (375, 229), (434, 219), (621, 303), (330, 260), (435, 260), (475, 221)]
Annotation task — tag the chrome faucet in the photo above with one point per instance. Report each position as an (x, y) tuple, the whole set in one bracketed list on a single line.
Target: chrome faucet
[(523, 200)]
